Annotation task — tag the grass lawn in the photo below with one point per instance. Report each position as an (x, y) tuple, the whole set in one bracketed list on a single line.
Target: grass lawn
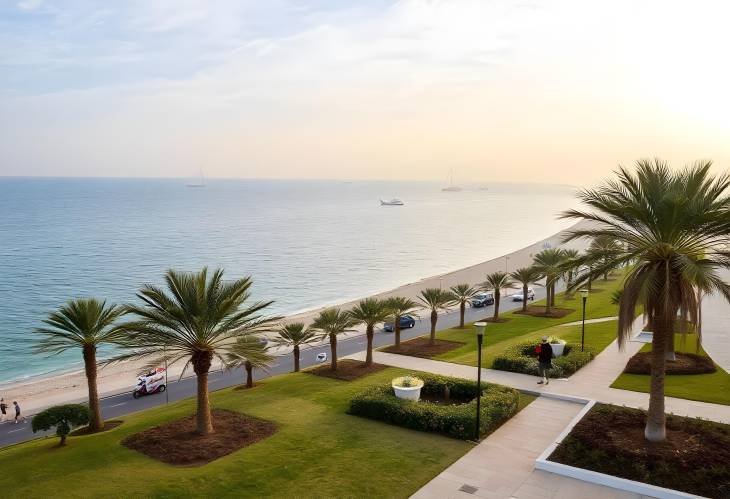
[(319, 450), (713, 387), (520, 327)]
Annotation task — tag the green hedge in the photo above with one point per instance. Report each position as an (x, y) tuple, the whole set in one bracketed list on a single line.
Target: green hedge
[(498, 404), (521, 358)]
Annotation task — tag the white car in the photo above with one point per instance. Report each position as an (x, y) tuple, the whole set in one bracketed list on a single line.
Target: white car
[(518, 296)]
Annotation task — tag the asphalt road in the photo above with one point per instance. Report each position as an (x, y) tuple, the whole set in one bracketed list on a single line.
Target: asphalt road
[(119, 405)]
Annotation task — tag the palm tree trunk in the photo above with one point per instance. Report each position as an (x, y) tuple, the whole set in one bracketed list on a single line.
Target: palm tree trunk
[(462, 311), (524, 297), (249, 374), (669, 351), (548, 287), (296, 358), (96, 422), (434, 318), (201, 365), (333, 352), (655, 430), (397, 331), (496, 305), (369, 355)]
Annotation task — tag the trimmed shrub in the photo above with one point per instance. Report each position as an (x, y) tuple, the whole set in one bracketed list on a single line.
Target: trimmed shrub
[(498, 404), (521, 358), (63, 417)]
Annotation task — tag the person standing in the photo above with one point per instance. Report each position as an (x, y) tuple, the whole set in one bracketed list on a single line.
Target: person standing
[(3, 410), (545, 360), (17, 412)]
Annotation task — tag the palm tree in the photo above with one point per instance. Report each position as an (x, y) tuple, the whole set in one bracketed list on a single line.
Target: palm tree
[(674, 229), (526, 276), (369, 311), (195, 319), (295, 335), (86, 324), (462, 294), (397, 307), (435, 299), (249, 352), (602, 249), (332, 322), (571, 264), (549, 262), (497, 281)]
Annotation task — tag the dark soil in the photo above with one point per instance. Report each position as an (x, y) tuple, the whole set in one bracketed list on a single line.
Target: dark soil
[(177, 443), (695, 457), (108, 425), (686, 363), (420, 347), (539, 311), (493, 320), (347, 370)]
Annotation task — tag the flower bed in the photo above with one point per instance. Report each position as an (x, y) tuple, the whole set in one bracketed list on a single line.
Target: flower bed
[(521, 358), (685, 363), (449, 407)]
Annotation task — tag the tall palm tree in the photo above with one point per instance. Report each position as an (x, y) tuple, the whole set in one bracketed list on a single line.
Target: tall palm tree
[(674, 228), (399, 306), (435, 300), (602, 249), (331, 323), (85, 324), (498, 281), (370, 312), (195, 320), (526, 276), (249, 352), (462, 294), (549, 262), (571, 264), (295, 335)]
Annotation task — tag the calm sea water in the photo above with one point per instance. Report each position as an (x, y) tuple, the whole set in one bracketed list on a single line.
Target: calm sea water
[(306, 243)]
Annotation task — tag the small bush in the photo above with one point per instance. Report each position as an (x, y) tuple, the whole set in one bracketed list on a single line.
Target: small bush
[(521, 358), (498, 404), (63, 417)]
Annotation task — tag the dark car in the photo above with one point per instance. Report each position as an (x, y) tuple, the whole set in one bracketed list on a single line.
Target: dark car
[(482, 300), (406, 322)]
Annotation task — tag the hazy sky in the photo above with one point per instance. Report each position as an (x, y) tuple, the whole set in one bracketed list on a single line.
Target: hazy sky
[(548, 91)]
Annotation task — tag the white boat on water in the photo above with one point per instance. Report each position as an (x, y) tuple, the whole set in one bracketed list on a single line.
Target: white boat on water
[(392, 202), (451, 187)]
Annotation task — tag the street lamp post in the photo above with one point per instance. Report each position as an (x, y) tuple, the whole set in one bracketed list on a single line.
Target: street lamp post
[(584, 295), (480, 327)]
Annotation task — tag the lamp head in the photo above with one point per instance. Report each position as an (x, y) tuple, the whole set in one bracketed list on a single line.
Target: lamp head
[(584, 293), (480, 327)]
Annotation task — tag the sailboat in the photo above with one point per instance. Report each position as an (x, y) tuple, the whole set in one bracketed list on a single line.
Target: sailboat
[(200, 182), (451, 187)]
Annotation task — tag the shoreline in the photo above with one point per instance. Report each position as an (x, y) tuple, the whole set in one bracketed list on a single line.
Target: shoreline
[(37, 392)]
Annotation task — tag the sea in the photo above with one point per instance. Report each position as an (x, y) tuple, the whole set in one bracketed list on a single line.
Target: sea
[(306, 243)]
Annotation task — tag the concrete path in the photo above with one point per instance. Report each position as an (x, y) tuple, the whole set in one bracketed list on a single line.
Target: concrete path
[(591, 321), (502, 465)]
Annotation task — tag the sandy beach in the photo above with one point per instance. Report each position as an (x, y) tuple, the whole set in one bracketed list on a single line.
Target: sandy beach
[(39, 392)]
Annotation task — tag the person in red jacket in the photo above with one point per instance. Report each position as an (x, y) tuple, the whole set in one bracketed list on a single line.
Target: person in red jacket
[(545, 360)]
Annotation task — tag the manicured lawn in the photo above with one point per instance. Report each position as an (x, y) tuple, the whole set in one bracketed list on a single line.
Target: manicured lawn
[(713, 387), (523, 327), (319, 450)]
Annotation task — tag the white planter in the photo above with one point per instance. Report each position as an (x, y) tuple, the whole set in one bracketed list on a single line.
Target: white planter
[(407, 392), (558, 348)]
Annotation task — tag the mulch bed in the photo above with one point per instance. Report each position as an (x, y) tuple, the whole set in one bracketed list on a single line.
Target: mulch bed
[(108, 425), (177, 443), (420, 347), (347, 370), (499, 320), (686, 363), (539, 311), (609, 439)]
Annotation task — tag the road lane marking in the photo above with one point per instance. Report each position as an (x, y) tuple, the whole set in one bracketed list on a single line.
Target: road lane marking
[(14, 431), (116, 405)]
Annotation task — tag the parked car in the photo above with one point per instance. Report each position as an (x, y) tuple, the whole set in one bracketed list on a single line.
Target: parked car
[(518, 296), (406, 322), (482, 300)]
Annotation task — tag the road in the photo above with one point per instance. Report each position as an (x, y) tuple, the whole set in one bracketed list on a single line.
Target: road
[(122, 404)]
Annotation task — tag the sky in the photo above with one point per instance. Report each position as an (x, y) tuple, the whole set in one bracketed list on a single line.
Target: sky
[(558, 91)]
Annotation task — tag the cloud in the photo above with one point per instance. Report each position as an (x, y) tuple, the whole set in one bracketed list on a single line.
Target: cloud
[(29, 4)]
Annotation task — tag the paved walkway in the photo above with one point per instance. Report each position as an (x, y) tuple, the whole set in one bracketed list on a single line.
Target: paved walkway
[(502, 465), (590, 321)]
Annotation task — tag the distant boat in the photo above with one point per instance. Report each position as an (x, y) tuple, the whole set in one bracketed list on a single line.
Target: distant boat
[(200, 182), (392, 202), (451, 187)]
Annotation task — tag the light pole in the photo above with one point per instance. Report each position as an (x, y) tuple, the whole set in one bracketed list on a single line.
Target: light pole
[(480, 327), (167, 394), (584, 295)]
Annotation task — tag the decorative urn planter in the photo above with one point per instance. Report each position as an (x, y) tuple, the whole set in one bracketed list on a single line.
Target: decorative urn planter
[(558, 348), (407, 387)]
